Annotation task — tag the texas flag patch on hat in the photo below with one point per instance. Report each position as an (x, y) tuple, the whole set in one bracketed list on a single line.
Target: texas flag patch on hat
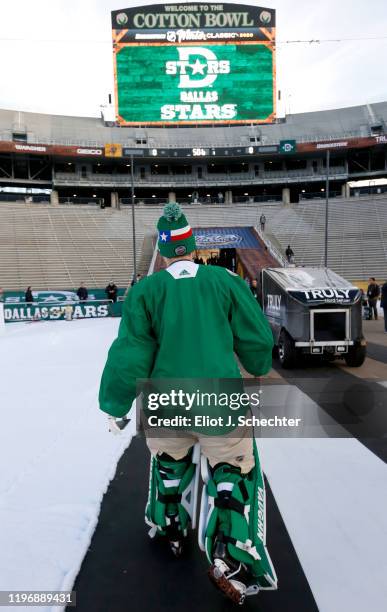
[(176, 234)]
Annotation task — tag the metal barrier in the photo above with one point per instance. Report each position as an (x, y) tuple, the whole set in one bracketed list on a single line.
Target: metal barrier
[(365, 192), (256, 198), (320, 195), (271, 248), (82, 201), (143, 201), (25, 197)]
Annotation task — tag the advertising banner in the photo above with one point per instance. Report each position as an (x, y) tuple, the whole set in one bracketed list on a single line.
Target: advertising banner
[(113, 150), (58, 305), (287, 146), (226, 238), (54, 312), (1, 318)]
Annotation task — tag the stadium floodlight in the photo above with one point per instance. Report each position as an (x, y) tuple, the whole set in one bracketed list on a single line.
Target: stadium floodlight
[(133, 195)]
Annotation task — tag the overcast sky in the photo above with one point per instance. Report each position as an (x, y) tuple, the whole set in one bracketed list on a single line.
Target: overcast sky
[(61, 60)]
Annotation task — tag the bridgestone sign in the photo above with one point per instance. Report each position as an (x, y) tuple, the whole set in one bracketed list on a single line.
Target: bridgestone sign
[(194, 64)]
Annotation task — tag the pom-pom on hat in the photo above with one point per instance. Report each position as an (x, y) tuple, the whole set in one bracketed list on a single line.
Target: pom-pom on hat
[(175, 234)]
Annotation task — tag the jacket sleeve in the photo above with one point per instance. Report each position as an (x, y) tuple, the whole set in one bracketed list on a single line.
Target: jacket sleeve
[(253, 338), (130, 357)]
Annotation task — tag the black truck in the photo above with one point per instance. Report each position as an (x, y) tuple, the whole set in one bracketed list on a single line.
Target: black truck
[(313, 311)]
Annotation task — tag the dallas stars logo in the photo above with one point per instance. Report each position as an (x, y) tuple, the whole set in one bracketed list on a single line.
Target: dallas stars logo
[(186, 67), (197, 69)]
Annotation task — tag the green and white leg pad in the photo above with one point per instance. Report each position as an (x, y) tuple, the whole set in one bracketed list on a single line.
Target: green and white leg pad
[(172, 498), (232, 530)]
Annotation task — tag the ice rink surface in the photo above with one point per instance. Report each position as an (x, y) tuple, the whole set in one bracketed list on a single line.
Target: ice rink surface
[(57, 459), (56, 454)]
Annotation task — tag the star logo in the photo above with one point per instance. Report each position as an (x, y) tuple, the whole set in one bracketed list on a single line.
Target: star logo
[(198, 67), (49, 298), (163, 237)]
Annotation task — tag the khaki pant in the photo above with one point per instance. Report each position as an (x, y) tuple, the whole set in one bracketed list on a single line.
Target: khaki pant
[(235, 448)]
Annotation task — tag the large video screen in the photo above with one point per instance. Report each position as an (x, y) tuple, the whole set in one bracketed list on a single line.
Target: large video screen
[(194, 64)]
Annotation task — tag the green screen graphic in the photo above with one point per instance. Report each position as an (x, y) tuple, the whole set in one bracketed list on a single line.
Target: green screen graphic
[(194, 84)]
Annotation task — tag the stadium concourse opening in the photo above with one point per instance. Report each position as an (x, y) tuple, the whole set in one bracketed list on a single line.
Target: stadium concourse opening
[(240, 249)]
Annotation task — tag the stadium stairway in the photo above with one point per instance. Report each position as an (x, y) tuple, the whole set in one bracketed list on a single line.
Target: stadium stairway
[(357, 245), (58, 247)]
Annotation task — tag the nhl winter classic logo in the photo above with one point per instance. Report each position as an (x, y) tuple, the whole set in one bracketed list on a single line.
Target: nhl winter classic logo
[(203, 240), (180, 250)]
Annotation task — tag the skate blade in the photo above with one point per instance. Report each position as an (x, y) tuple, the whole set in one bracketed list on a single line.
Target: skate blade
[(176, 548), (225, 586)]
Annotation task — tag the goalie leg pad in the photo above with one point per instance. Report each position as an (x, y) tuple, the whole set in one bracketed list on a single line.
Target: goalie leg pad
[(173, 491), (234, 528)]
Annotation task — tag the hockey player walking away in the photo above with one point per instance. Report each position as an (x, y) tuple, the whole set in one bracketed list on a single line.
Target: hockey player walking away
[(185, 322)]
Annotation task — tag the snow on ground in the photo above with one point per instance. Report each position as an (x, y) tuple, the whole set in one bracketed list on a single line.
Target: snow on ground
[(56, 454)]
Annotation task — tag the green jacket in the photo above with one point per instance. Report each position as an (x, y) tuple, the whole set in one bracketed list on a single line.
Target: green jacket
[(185, 322)]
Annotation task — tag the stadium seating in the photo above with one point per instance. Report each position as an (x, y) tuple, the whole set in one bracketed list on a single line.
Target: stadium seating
[(357, 247), (90, 131), (58, 247)]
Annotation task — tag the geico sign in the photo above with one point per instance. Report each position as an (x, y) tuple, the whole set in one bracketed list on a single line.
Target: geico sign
[(89, 151)]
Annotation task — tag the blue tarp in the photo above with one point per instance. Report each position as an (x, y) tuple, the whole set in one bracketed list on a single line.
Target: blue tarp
[(226, 238)]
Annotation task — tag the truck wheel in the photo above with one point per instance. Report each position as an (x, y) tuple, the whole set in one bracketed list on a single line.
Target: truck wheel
[(355, 356), (287, 352)]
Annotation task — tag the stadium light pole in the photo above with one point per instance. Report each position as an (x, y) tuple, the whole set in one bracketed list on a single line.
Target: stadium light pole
[(133, 217), (326, 208)]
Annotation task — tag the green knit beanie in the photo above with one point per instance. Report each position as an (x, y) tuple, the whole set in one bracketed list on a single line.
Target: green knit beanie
[(175, 234)]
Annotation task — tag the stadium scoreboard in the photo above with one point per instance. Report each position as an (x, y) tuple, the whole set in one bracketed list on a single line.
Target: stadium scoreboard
[(194, 64)]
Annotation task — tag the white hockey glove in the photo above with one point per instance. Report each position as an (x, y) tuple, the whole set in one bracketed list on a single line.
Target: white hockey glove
[(117, 425)]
